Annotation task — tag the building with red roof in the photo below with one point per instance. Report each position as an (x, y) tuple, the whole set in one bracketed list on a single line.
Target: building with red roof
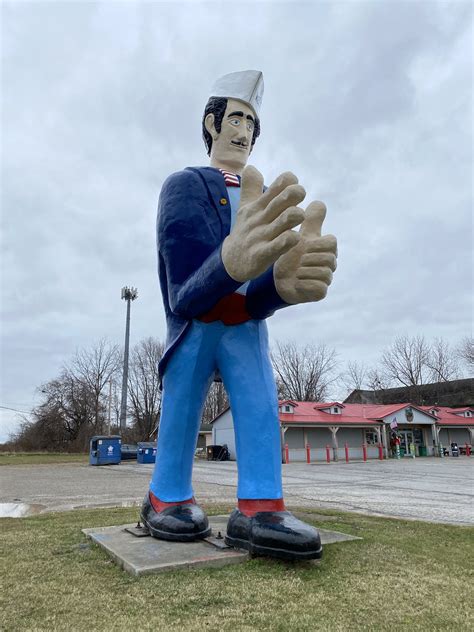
[(421, 430)]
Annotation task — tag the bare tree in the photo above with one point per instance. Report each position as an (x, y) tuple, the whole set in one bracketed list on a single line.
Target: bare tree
[(64, 420), (377, 380), (216, 402), (95, 367), (144, 386), (465, 350), (442, 362), (406, 361), (355, 375), (304, 373), (75, 403)]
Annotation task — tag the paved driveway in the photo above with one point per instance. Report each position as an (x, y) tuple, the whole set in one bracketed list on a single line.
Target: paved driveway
[(438, 490)]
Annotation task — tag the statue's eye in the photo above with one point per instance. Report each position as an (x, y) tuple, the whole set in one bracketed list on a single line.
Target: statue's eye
[(250, 126), (235, 122)]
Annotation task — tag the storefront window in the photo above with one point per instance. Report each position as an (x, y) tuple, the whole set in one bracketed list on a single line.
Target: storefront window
[(370, 437)]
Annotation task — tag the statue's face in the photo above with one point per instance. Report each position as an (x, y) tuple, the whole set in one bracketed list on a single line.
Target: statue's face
[(232, 145)]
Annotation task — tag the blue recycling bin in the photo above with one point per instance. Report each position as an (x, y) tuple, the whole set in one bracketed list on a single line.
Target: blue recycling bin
[(146, 452), (105, 450)]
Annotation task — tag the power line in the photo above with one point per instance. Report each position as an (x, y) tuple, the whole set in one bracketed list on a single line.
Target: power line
[(15, 410)]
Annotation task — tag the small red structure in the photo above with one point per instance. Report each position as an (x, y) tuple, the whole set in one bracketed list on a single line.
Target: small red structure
[(468, 449), (287, 453), (308, 453), (328, 454), (380, 451), (364, 452), (346, 450)]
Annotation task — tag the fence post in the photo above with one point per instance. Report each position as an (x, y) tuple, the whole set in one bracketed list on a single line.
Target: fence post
[(308, 453), (364, 452), (287, 453), (328, 454), (346, 450)]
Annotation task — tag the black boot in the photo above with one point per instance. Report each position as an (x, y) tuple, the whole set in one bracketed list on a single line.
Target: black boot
[(275, 534), (181, 523)]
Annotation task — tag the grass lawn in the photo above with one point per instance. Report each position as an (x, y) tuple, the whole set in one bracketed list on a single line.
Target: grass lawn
[(39, 458), (401, 576)]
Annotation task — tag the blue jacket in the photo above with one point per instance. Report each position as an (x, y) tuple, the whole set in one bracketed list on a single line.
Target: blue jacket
[(193, 220)]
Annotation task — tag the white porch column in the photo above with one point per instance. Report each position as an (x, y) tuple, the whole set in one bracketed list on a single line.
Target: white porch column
[(435, 434), (283, 430), (379, 437), (471, 434), (385, 441), (335, 445)]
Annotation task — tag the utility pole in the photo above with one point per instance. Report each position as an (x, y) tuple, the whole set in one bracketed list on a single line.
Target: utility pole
[(128, 294), (109, 412)]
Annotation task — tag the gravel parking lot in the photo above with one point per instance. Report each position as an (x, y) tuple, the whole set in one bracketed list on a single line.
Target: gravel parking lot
[(437, 490)]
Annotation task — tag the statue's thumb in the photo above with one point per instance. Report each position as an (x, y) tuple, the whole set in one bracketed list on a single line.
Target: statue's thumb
[(251, 185), (313, 220)]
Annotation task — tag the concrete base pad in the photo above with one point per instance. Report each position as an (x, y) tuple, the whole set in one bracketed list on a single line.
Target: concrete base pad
[(144, 555)]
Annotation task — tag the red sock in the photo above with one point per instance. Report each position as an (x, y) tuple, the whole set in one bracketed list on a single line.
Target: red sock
[(158, 505), (251, 507)]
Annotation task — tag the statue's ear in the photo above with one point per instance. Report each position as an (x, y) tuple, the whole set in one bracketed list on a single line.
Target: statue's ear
[(209, 125)]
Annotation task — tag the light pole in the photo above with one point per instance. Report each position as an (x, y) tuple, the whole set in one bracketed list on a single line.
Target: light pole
[(109, 411), (128, 294)]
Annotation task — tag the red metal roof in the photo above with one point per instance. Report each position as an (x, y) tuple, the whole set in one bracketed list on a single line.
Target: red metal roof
[(447, 417), (450, 416), (307, 413), (322, 405), (364, 414)]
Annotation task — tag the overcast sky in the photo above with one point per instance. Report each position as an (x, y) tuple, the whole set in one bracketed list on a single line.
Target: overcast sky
[(368, 103)]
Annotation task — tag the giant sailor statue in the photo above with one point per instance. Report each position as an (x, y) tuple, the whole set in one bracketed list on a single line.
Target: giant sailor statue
[(228, 257)]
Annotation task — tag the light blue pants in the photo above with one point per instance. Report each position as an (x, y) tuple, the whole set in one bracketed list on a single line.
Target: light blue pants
[(240, 353)]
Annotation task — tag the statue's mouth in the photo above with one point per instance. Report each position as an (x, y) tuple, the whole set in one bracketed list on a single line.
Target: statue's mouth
[(239, 143)]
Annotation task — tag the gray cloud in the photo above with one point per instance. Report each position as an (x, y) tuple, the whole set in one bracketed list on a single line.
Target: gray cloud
[(368, 103)]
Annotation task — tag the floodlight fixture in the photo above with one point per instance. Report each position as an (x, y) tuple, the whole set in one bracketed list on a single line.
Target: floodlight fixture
[(129, 293)]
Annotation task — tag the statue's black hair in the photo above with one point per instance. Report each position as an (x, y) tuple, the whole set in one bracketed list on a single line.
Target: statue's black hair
[(217, 106)]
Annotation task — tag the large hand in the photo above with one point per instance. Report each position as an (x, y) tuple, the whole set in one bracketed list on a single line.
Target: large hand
[(304, 273), (262, 230)]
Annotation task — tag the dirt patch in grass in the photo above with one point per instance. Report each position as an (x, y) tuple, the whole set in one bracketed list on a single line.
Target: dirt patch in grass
[(40, 458), (402, 575)]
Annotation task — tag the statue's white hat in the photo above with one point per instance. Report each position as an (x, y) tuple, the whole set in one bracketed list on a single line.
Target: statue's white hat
[(245, 85)]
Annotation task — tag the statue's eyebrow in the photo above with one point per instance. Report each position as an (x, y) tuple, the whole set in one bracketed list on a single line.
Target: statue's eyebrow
[(239, 113)]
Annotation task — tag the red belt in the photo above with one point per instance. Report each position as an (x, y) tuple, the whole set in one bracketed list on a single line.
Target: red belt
[(230, 310)]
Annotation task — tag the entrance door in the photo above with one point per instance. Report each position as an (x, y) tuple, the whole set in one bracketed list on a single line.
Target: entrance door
[(406, 439)]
